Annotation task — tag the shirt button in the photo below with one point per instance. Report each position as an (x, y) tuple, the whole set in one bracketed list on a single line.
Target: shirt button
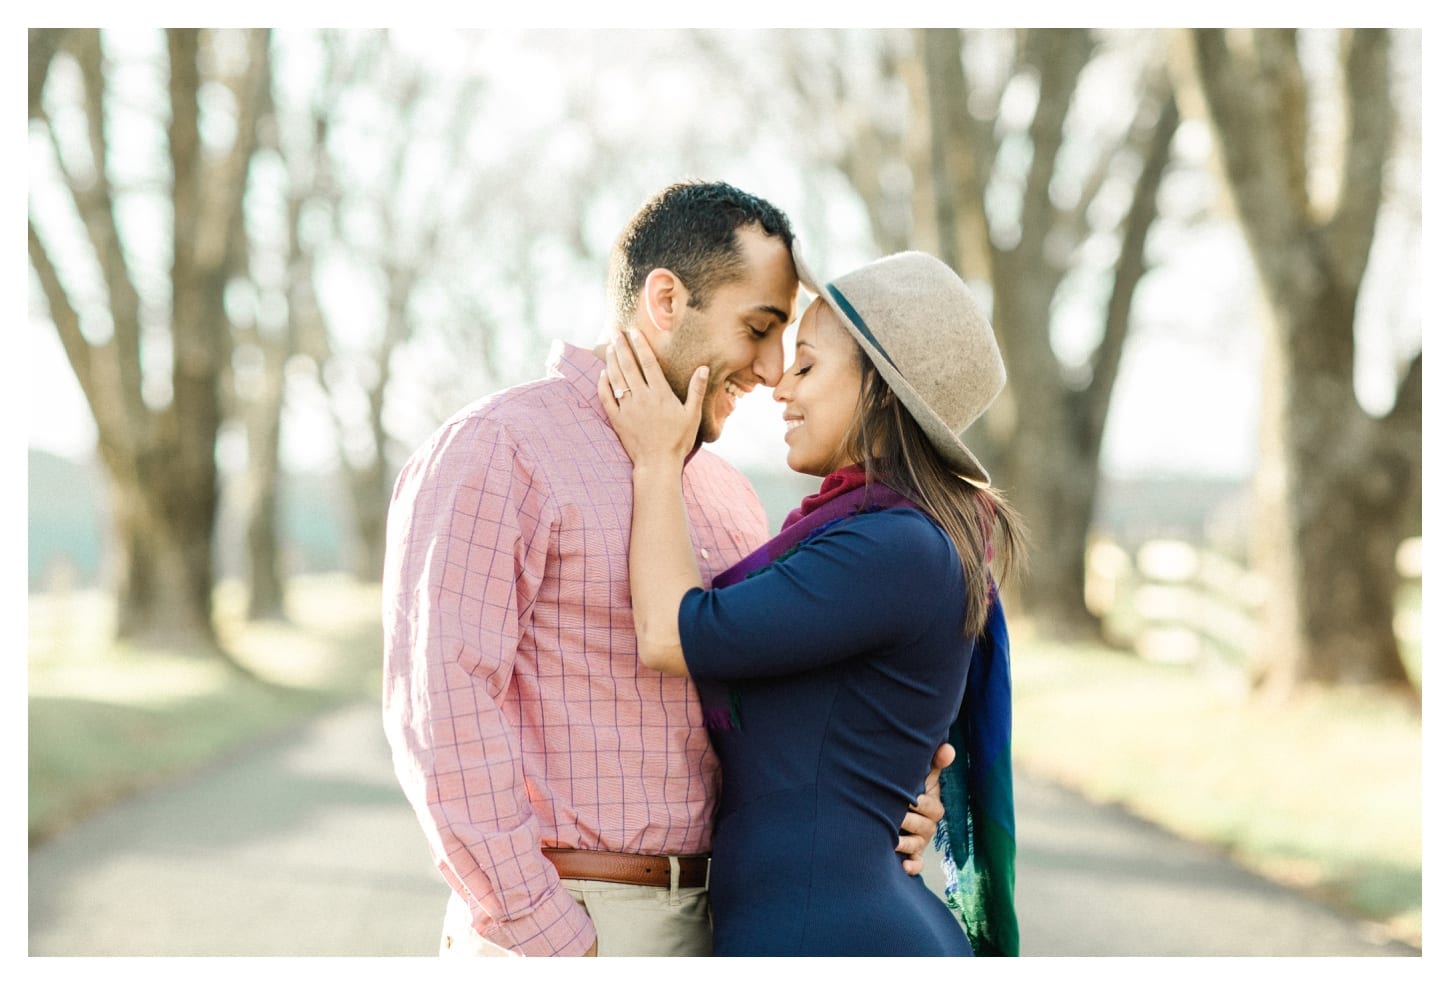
[(705, 553)]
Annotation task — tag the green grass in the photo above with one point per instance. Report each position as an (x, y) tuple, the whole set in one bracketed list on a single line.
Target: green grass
[(108, 719), (1322, 792)]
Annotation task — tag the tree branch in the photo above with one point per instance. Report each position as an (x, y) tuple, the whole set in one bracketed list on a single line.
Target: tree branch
[(1131, 267), (981, 129), (44, 44), (1369, 129), (958, 187), (227, 180), (1058, 56), (1075, 219), (1253, 158), (1408, 408), (67, 321), (1277, 51), (96, 208), (184, 146)]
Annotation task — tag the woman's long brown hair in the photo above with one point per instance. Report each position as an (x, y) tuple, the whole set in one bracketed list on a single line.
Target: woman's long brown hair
[(894, 450)]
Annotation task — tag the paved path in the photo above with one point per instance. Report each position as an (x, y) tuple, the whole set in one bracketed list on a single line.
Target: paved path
[(305, 847)]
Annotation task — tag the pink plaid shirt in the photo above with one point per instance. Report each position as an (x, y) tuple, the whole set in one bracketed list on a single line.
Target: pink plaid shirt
[(517, 711)]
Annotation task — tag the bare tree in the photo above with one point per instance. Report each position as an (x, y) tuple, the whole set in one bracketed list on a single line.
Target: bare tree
[(1048, 459), (158, 443), (1336, 483), (257, 390), (275, 307), (264, 343), (915, 123), (1045, 440), (473, 245), (411, 210)]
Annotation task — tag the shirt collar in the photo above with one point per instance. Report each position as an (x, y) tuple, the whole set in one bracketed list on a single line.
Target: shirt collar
[(580, 368)]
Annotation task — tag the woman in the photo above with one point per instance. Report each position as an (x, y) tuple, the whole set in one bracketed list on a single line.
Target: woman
[(834, 660)]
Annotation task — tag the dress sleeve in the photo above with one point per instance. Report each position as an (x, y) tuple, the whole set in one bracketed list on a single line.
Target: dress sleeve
[(864, 584), (468, 534)]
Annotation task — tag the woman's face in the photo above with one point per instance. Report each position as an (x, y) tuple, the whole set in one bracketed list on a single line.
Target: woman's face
[(820, 391)]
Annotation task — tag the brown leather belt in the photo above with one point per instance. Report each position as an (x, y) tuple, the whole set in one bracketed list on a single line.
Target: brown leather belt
[(634, 870)]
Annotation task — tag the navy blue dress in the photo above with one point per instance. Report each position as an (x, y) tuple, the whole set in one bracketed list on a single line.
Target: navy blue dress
[(848, 664)]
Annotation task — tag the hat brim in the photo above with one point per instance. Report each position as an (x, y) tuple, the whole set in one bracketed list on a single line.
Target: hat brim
[(947, 443)]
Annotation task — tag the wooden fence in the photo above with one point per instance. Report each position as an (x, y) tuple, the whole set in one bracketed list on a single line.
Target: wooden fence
[(1176, 602)]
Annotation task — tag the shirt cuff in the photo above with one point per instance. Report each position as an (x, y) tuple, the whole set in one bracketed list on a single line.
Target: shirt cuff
[(559, 926)]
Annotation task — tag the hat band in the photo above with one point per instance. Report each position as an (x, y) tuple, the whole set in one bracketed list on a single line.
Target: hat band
[(860, 324)]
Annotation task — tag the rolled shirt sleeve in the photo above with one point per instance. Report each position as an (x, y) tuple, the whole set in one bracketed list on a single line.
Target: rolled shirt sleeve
[(467, 543)]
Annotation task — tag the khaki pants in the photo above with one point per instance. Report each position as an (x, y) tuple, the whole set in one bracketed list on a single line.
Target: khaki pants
[(631, 921)]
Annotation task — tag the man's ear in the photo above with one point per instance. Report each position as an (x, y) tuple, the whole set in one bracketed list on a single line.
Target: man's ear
[(663, 305)]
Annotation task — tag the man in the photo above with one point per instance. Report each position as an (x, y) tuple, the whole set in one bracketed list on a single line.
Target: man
[(565, 791)]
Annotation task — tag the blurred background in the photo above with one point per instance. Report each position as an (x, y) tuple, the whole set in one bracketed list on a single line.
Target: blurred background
[(265, 265)]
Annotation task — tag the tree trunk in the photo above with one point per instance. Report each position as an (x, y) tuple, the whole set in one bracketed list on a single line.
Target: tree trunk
[(1043, 439), (1337, 484), (163, 576), (161, 459), (183, 466), (1333, 600), (1059, 516), (1043, 470), (266, 594), (370, 521)]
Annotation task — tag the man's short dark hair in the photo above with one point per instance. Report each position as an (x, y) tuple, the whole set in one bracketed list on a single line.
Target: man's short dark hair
[(688, 228)]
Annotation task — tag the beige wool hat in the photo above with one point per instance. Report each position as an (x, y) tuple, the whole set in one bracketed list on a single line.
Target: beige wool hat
[(925, 334)]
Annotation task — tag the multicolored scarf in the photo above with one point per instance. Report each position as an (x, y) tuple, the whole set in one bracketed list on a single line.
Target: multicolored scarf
[(977, 837), (843, 493)]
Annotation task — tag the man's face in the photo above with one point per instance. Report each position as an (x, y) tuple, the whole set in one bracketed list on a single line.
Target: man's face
[(738, 334)]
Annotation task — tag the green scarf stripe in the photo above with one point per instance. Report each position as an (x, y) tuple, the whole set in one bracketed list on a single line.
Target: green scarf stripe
[(995, 917), (997, 787)]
